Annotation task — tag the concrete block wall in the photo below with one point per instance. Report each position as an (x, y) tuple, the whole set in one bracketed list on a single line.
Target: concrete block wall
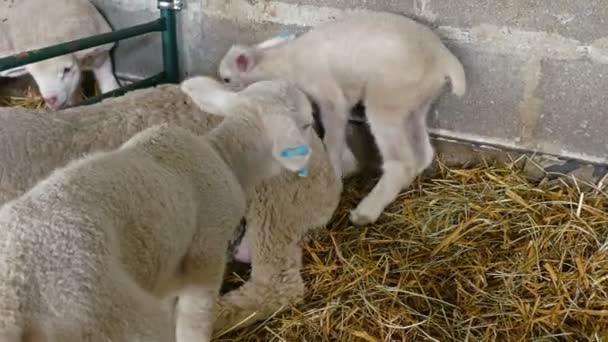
[(537, 70)]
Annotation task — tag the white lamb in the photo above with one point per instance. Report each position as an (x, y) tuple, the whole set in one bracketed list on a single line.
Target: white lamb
[(280, 212), (394, 65), (34, 24), (91, 251)]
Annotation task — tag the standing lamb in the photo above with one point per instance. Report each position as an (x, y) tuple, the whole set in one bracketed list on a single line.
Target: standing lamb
[(395, 65), (34, 24), (280, 211), (92, 250)]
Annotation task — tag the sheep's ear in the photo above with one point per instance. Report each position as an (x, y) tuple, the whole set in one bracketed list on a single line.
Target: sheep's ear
[(276, 41), (290, 148), (209, 94), (14, 73), (246, 60)]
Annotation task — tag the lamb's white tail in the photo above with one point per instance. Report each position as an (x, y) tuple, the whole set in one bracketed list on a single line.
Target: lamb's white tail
[(455, 71)]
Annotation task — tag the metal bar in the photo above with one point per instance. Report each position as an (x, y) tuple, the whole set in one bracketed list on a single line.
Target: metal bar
[(148, 82), (37, 55), (169, 45)]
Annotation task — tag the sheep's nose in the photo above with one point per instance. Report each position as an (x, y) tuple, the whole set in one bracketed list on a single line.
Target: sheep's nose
[(51, 101)]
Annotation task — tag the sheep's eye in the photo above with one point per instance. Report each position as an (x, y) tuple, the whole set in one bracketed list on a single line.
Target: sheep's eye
[(67, 70), (226, 80), (307, 126)]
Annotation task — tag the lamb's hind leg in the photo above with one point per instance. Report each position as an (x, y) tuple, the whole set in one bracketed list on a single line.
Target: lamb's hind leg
[(132, 315), (334, 115), (400, 163), (203, 274), (417, 133)]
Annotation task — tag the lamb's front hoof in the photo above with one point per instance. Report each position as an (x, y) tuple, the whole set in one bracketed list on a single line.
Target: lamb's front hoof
[(360, 219)]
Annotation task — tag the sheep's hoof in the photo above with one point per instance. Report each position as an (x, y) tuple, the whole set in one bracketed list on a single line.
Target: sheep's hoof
[(360, 219)]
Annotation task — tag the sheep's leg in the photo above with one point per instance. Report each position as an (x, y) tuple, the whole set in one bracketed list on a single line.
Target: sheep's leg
[(416, 131), (399, 166), (137, 315), (104, 74), (196, 306), (275, 283), (350, 165), (334, 115)]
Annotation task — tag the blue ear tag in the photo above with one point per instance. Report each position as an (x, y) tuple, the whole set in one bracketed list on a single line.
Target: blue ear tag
[(303, 172), (300, 150)]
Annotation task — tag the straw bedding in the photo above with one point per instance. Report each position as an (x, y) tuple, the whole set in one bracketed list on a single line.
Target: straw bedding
[(29, 99), (470, 254), (475, 254), (23, 92)]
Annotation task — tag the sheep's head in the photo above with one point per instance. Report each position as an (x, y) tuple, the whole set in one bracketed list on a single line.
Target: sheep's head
[(287, 116), (284, 110), (57, 79), (238, 66)]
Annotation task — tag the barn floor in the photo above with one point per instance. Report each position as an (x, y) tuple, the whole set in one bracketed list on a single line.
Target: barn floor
[(495, 250), (478, 253)]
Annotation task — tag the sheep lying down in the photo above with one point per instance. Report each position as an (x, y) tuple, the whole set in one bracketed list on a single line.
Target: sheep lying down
[(34, 24), (280, 212), (395, 66), (90, 251)]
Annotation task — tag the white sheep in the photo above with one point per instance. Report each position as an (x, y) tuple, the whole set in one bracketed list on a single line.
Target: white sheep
[(280, 211), (35, 24), (93, 249), (394, 65), (280, 215)]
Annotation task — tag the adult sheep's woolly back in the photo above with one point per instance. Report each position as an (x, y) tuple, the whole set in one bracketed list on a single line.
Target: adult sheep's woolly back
[(279, 213), (35, 24)]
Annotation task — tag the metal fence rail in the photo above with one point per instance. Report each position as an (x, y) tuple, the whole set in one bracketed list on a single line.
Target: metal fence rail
[(166, 25)]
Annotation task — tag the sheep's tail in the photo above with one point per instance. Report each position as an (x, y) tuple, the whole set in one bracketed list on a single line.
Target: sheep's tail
[(455, 71)]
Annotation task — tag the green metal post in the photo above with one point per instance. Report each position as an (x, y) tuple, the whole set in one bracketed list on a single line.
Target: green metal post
[(169, 38)]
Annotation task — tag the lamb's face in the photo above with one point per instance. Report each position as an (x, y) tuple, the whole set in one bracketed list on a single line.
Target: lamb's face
[(290, 126), (57, 79), (236, 66)]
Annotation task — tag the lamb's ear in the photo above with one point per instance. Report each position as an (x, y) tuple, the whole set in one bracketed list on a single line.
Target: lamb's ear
[(246, 59), (14, 73), (275, 41), (209, 94), (289, 146)]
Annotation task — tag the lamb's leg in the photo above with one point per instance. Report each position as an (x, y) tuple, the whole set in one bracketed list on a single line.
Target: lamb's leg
[(196, 306), (417, 133), (136, 315), (275, 281), (196, 312), (350, 165), (399, 166), (334, 115), (105, 75)]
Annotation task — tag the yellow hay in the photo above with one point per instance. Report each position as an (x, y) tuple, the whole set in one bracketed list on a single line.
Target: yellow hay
[(478, 254)]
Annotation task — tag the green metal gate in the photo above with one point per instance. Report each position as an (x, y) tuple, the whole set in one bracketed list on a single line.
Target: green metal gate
[(166, 25)]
